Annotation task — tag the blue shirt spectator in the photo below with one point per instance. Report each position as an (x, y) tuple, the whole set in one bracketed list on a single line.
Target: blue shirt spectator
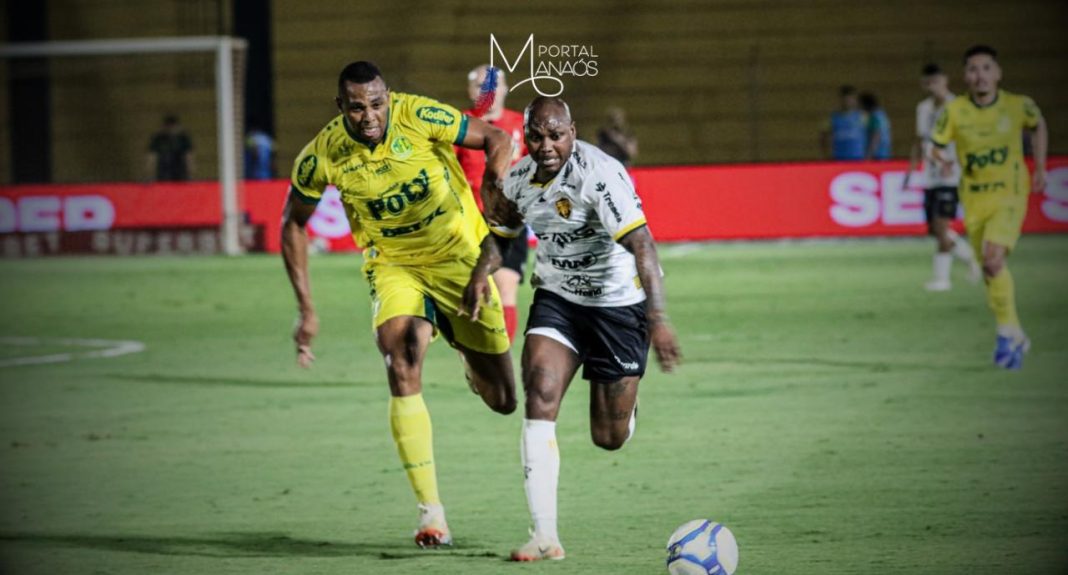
[(845, 137), (877, 132), (259, 155)]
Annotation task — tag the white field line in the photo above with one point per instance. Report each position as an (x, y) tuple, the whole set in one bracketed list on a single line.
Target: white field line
[(98, 348)]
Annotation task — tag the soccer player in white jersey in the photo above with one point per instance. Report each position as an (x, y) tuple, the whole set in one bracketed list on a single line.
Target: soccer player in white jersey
[(940, 199), (598, 304)]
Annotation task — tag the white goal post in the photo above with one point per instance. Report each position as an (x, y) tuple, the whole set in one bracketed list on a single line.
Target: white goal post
[(223, 47)]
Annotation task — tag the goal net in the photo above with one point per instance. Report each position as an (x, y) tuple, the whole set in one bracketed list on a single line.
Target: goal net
[(108, 97)]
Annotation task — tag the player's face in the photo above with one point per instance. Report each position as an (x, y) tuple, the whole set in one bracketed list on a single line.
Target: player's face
[(982, 74), (366, 109), (935, 84), (550, 136)]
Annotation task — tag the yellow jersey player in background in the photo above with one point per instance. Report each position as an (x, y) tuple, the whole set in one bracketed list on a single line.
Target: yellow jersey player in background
[(391, 157), (987, 129)]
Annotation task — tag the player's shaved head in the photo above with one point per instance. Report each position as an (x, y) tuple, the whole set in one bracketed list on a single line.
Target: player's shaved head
[(547, 111)]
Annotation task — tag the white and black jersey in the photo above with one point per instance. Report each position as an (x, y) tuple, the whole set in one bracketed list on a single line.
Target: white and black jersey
[(927, 112), (578, 219)]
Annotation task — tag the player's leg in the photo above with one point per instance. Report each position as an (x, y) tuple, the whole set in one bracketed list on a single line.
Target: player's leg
[(551, 356), (508, 279), (615, 363), (492, 377), (948, 206), (483, 343), (1000, 236), (612, 406), (403, 333), (549, 363), (943, 257)]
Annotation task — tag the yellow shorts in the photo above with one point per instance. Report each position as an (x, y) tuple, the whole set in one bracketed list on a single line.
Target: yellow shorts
[(435, 292), (997, 219)]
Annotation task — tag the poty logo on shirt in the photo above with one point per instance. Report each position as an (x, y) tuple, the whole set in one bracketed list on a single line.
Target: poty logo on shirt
[(554, 61)]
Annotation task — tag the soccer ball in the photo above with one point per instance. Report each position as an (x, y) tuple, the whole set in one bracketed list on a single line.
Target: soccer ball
[(702, 547)]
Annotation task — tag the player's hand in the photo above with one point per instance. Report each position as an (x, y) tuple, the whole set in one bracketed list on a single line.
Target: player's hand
[(477, 292), (306, 329), (665, 345), (1038, 182)]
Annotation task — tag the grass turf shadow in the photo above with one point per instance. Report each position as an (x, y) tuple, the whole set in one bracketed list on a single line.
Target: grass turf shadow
[(236, 545)]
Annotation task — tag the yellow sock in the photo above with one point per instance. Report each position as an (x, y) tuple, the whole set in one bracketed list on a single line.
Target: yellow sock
[(410, 422), (1001, 295)]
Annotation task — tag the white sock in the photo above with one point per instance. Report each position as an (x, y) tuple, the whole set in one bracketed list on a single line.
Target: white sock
[(541, 468), (1014, 332), (632, 424), (942, 264), (961, 249)]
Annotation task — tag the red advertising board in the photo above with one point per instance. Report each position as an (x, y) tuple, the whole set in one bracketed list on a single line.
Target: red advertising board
[(689, 203)]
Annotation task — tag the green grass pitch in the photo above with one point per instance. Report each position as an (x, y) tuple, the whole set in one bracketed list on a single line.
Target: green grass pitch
[(835, 416)]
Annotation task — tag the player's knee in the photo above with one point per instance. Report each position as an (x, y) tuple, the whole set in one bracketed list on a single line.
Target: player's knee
[(608, 438), (993, 266), (505, 405), (542, 402)]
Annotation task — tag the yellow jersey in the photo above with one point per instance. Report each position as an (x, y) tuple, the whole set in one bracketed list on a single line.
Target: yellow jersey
[(989, 142), (406, 198)]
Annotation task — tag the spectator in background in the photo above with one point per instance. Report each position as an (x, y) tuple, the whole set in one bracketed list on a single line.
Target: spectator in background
[(845, 136), (510, 275), (259, 153), (615, 138), (878, 128), (170, 153)]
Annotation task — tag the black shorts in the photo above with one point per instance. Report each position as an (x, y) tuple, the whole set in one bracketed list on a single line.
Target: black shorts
[(940, 202), (612, 342), (516, 257)]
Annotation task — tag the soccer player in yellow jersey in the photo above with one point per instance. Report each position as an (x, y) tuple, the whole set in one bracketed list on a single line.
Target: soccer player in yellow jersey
[(987, 130), (391, 157)]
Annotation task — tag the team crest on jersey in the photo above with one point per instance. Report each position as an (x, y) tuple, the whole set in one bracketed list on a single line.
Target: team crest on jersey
[(401, 147), (563, 207), (306, 170)]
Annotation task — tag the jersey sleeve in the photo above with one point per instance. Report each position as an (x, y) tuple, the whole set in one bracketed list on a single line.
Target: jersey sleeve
[(1031, 114), (921, 121), (435, 120), (944, 131), (309, 178), (617, 204)]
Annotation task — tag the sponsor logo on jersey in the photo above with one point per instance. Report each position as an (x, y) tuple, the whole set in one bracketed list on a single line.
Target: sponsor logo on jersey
[(582, 286), (404, 230), (383, 168), (573, 262), (401, 147), (563, 238), (519, 172), (343, 149), (602, 187), (413, 192), (435, 115), (628, 365), (991, 157), (563, 207)]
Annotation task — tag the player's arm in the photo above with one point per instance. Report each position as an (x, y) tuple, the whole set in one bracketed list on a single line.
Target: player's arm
[(1036, 125), (941, 137), (497, 145), (306, 189), (640, 243), (478, 290), (620, 212), (914, 159), (295, 218)]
